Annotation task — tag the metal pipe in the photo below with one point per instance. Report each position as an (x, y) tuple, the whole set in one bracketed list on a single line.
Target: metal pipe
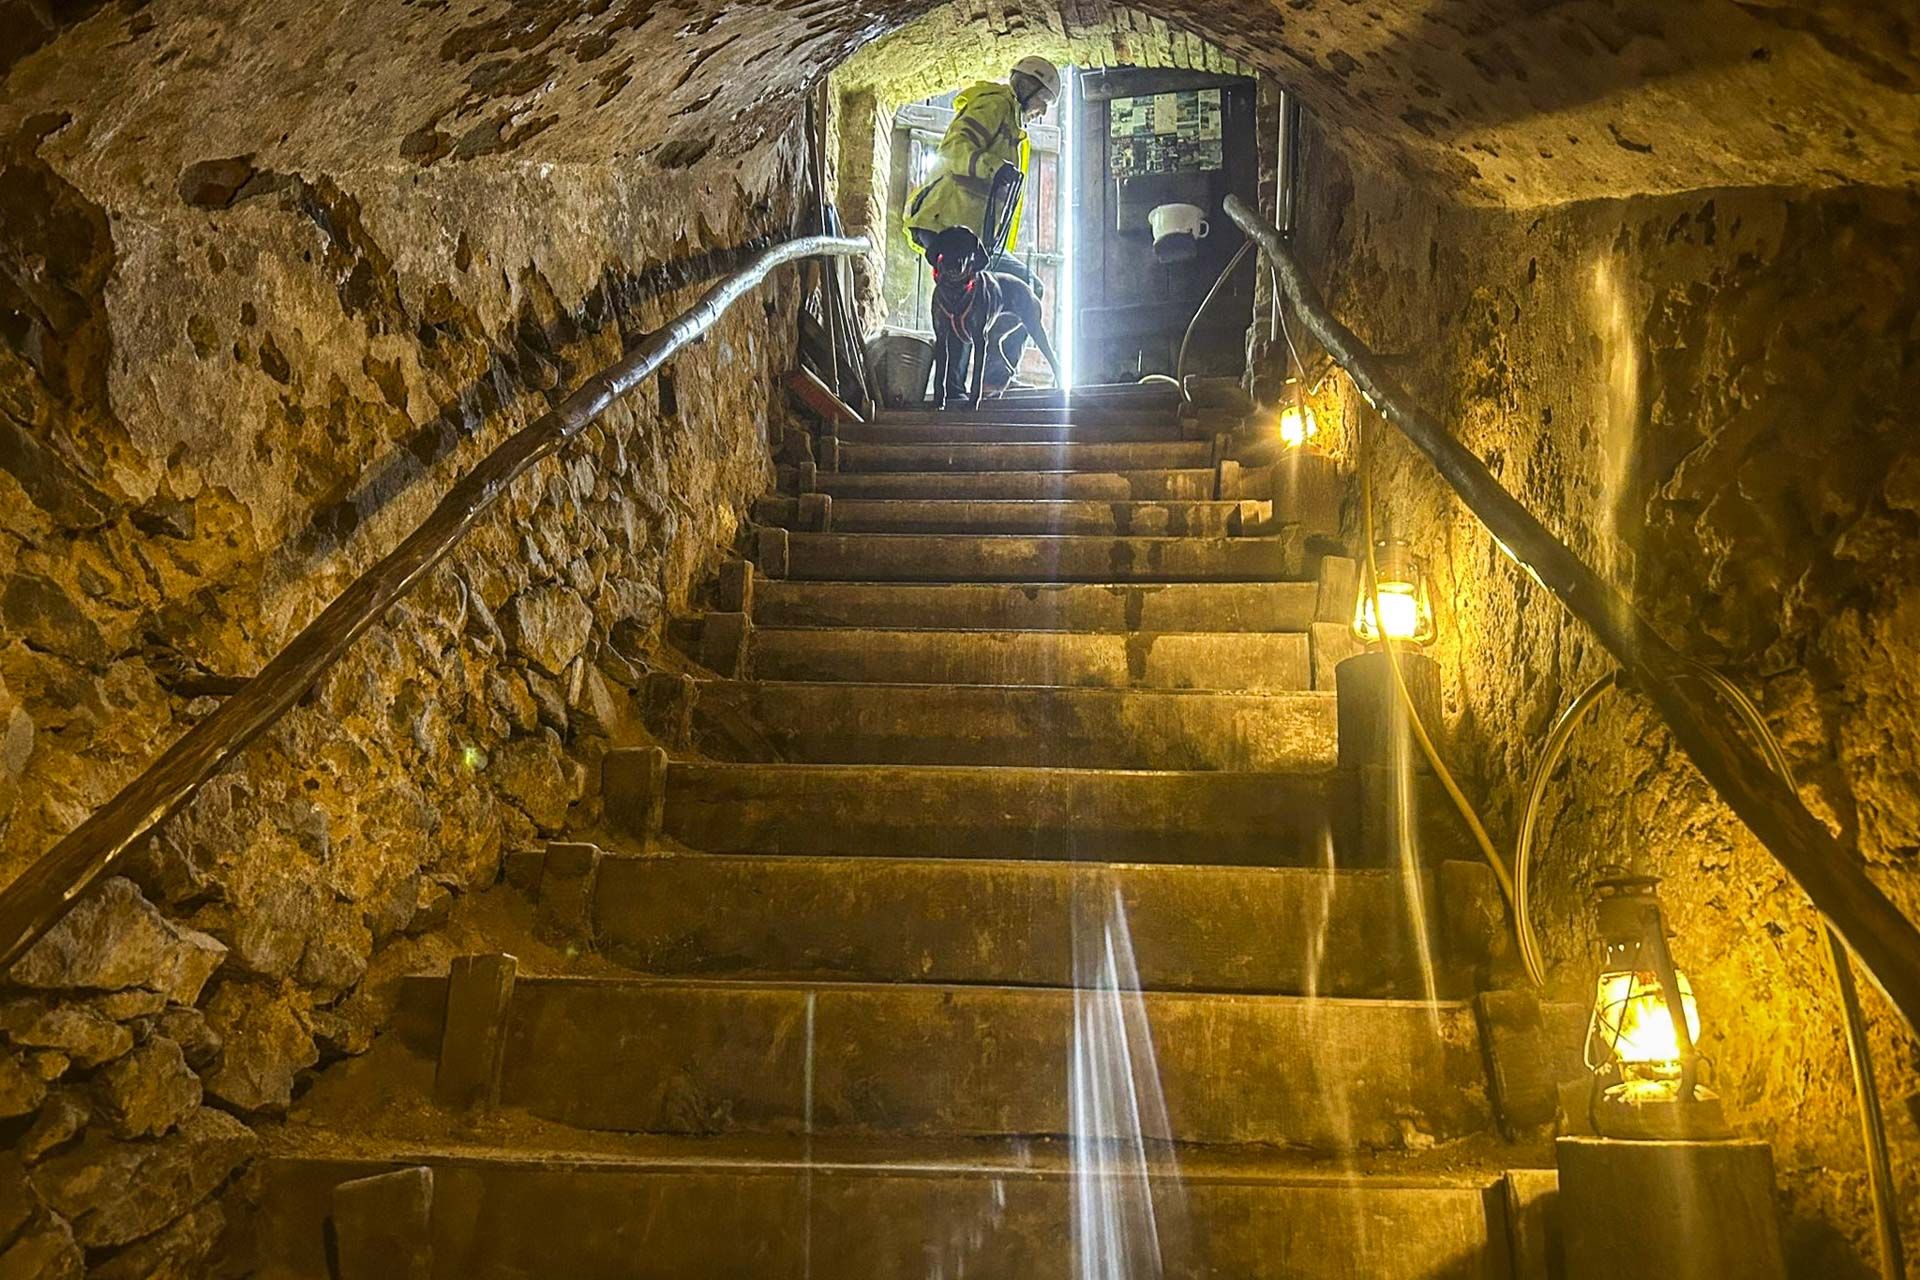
[(40, 896), (817, 106), (1180, 364), (1866, 1086)]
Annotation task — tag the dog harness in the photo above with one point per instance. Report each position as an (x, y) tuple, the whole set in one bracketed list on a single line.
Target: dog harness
[(957, 319)]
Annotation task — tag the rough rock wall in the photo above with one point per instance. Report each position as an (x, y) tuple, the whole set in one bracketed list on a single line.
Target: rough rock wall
[(865, 130), (1712, 399), (970, 40), (214, 411), (271, 269)]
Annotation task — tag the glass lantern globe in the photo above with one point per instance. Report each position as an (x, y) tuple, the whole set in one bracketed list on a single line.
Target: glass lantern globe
[(1644, 1033), (1405, 599), (1297, 426)]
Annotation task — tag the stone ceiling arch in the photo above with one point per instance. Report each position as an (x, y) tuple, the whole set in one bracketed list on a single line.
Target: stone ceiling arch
[(954, 46), (1514, 102)]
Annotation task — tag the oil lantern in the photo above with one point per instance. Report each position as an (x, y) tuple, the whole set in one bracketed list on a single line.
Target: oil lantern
[(1297, 426), (1643, 1038), (1405, 601)]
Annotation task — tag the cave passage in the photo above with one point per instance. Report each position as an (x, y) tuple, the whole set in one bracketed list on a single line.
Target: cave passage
[(1139, 828)]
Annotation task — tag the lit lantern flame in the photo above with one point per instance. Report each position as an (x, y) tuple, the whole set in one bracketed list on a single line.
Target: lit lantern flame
[(1632, 1020), (1297, 426), (1405, 604), (1638, 1050), (1399, 608)]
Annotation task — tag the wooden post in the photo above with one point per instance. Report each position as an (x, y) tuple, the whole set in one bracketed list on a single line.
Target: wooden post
[(1676, 1210), (473, 1037), (383, 1226)]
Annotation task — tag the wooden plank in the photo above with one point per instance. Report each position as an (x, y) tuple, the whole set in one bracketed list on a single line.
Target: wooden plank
[(815, 397), (1127, 82)]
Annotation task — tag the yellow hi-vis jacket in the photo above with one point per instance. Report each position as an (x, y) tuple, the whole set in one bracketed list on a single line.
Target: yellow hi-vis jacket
[(985, 134)]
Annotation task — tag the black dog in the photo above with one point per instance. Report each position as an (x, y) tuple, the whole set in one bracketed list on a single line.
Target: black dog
[(967, 301)]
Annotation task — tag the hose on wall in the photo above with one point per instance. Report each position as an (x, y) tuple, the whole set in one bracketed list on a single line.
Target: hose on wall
[(1873, 1130), (1420, 734)]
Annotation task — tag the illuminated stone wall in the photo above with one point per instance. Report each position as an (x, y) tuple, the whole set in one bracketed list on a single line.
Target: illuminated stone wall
[(1709, 397), (271, 272)]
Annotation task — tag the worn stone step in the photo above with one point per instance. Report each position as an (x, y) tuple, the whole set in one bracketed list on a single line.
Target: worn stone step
[(1160, 395), (1245, 819), (1163, 485), (1185, 606), (838, 722), (932, 557), (986, 429), (1026, 457), (1012, 923), (1149, 519), (1263, 660), (794, 1209), (931, 1061), (1091, 413)]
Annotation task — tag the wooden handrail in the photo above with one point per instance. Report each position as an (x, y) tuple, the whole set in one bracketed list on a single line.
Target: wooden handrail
[(40, 896), (1886, 943)]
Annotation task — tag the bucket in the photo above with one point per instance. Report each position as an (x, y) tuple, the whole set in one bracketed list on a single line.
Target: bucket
[(901, 364)]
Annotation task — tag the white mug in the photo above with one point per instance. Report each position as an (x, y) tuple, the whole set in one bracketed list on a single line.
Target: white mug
[(1175, 219)]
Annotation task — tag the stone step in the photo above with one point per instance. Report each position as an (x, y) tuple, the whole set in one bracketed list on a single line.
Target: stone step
[(837, 722), (918, 1061), (1149, 519), (1186, 606), (1242, 819), (1011, 923), (1161, 395), (1026, 457), (1146, 393), (986, 430), (672, 1209), (1092, 413), (930, 557), (1190, 485), (1263, 660)]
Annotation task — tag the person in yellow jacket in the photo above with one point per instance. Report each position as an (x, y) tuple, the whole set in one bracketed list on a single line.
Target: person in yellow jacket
[(988, 133)]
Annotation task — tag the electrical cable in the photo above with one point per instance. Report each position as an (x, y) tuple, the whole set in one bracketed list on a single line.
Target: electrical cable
[(1420, 735), (1180, 363), (1523, 847), (1873, 1129), (1279, 326)]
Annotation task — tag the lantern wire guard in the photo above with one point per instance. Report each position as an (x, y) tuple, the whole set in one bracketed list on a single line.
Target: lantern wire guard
[(1873, 1133), (1647, 1024)]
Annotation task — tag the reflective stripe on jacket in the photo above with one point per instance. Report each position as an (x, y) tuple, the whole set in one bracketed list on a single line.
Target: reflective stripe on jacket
[(985, 134)]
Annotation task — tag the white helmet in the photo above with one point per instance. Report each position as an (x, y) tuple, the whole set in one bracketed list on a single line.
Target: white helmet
[(1041, 70)]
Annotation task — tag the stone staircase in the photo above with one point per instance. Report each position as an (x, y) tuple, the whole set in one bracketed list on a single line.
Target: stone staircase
[(999, 910)]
